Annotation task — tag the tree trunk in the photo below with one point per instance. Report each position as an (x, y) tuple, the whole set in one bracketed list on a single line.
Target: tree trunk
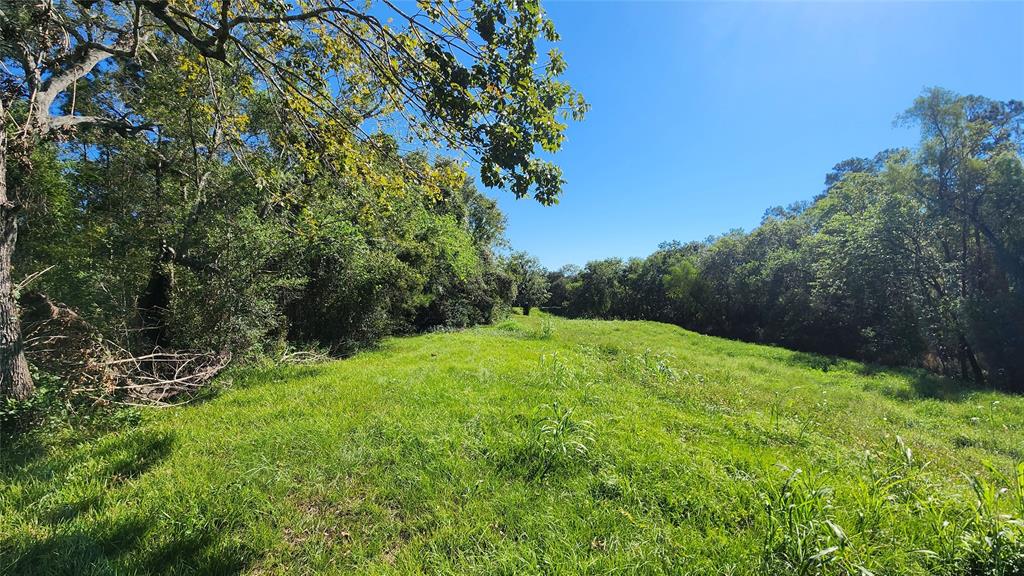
[(968, 354), (155, 301), (15, 379)]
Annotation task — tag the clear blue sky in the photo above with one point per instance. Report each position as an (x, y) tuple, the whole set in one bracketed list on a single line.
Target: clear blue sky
[(706, 114)]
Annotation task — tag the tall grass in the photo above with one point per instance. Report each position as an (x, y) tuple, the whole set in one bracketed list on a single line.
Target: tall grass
[(802, 534)]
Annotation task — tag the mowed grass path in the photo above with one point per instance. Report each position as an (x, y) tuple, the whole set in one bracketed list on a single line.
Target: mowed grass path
[(538, 445)]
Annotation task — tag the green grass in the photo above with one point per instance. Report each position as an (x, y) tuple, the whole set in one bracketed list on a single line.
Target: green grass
[(538, 445)]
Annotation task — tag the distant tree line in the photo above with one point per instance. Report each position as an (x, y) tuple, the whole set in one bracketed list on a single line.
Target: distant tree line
[(913, 257)]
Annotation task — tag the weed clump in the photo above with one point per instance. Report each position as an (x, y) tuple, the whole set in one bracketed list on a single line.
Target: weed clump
[(547, 329), (555, 442), (801, 535), (802, 532)]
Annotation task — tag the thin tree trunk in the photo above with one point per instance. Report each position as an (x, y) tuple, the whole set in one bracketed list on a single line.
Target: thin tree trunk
[(968, 354), (15, 379), (155, 301)]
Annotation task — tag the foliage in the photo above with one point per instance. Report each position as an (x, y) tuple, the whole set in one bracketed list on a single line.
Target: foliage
[(471, 77), (530, 281), (216, 236), (234, 174), (909, 258)]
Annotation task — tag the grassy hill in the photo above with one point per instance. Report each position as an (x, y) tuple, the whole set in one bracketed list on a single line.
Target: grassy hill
[(538, 445)]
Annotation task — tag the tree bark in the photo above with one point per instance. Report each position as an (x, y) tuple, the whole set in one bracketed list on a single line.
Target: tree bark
[(15, 379), (155, 301), (972, 359)]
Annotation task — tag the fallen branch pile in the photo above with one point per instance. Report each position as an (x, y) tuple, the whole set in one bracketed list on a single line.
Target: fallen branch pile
[(61, 342)]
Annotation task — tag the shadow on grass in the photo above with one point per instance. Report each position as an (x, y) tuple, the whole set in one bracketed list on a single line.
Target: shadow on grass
[(249, 377), (121, 546), (70, 521), (920, 384), (923, 384), (814, 361)]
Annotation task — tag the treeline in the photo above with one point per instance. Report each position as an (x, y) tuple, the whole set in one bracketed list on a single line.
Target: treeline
[(913, 257), (126, 240), (184, 185)]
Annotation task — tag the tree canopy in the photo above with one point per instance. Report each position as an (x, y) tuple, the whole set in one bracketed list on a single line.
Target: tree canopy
[(216, 165)]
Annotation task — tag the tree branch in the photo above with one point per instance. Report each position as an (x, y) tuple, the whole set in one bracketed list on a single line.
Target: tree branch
[(68, 121)]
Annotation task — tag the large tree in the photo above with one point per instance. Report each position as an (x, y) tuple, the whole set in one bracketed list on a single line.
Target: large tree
[(466, 78), (967, 174), (531, 281)]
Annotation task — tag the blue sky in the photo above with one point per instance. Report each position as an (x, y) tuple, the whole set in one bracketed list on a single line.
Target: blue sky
[(706, 114)]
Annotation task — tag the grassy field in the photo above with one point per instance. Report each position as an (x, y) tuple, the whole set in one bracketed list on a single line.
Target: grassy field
[(538, 445)]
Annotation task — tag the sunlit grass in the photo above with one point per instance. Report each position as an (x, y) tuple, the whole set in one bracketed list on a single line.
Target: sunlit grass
[(538, 445)]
